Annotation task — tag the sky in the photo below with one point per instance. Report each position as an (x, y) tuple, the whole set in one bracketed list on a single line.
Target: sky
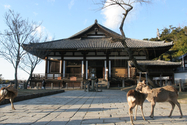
[(63, 18)]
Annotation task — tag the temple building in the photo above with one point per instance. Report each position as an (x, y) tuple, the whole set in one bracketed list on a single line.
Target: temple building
[(72, 59)]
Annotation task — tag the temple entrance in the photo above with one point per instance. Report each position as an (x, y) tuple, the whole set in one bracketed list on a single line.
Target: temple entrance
[(97, 65), (99, 72)]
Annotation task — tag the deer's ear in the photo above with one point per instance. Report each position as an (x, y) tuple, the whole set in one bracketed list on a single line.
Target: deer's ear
[(143, 81)]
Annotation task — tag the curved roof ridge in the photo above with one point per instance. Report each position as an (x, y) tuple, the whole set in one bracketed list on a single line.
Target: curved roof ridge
[(82, 31), (152, 42), (155, 62), (108, 30), (147, 40), (89, 27)]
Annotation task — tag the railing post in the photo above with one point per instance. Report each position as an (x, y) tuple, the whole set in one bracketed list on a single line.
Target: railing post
[(81, 84), (85, 86), (123, 83), (60, 85), (108, 85), (37, 85), (101, 88), (88, 87), (97, 87), (51, 85), (66, 85), (180, 85), (139, 76)]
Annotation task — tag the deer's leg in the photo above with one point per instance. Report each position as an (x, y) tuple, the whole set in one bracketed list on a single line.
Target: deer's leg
[(178, 104), (131, 106), (131, 115), (173, 106), (142, 112), (153, 103), (11, 101), (2, 98), (136, 107)]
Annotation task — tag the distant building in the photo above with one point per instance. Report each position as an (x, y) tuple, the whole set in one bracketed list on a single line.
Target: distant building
[(72, 59), (181, 72)]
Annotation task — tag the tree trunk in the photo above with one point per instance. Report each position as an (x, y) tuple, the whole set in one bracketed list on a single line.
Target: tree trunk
[(27, 82), (30, 76), (16, 80), (131, 57)]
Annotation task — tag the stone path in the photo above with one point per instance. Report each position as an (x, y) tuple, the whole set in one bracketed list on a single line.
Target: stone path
[(82, 108)]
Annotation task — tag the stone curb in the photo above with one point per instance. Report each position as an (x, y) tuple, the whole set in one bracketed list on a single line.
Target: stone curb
[(25, 97)]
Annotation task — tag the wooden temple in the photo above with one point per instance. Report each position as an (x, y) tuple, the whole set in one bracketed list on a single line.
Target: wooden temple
[(70, 60)]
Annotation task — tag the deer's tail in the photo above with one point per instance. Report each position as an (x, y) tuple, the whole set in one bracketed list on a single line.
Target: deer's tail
[(3, 92)]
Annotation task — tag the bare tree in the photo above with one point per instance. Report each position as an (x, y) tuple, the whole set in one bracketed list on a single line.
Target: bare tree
[(127, 6), (18, 32), (30, 61)]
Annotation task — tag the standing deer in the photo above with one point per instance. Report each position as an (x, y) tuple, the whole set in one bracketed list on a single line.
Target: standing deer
[(161, 94), (8, 92), (135, 98)]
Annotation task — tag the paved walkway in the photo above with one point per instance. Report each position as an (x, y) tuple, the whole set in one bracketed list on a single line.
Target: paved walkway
[(82, 108)]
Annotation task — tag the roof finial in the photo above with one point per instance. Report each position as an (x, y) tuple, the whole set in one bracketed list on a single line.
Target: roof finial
[(95, 20)]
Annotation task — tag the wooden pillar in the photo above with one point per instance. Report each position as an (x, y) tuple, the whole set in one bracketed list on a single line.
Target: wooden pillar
[(129, 70), (62, 60), (140, 73), (84, 59), (109, 69), (160, 80), (46, 67), (82, 69), (64, 68), (107, 63), (86, 69), (146, 78)]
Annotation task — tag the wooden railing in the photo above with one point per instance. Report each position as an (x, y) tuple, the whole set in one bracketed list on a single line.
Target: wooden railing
[(38, 76), (57, 76)]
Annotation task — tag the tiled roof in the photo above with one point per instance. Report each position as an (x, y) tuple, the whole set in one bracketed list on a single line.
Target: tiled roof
[(134, 43), (78, 41), (156, 63), (98, 43)]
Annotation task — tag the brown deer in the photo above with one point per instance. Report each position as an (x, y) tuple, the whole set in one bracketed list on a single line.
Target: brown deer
[(8, 92), (135, 98), (161, 94)]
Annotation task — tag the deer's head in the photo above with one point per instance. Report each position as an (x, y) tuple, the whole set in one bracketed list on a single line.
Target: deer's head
[(142, 87)]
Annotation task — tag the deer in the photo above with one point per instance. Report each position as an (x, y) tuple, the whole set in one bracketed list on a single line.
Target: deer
[(8, 92), (135, 98), (161, 94)]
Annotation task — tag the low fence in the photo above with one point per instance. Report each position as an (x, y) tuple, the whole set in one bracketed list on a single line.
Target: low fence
[(182, 83)]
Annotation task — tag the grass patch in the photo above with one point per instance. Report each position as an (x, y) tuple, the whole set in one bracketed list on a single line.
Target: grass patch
[(34, 91), (182, 97)]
